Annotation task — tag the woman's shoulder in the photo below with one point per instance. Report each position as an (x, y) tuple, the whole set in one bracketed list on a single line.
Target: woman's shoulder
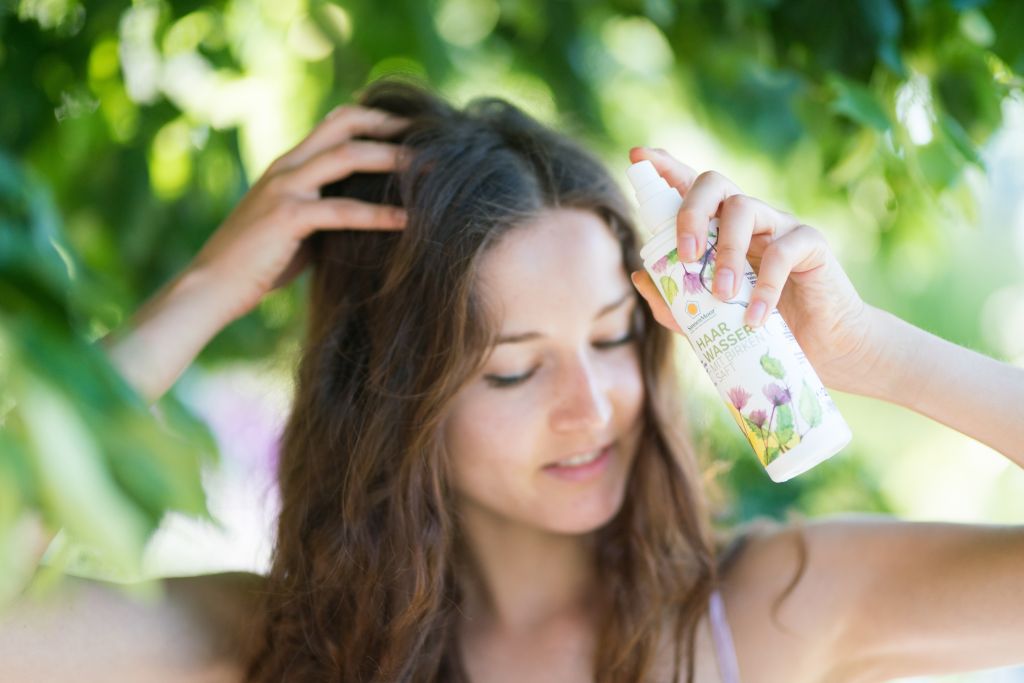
[(223, 607), (784, 586), (198, 627)]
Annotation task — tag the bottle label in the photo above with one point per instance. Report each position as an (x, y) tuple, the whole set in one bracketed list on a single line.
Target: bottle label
[(762, 374)]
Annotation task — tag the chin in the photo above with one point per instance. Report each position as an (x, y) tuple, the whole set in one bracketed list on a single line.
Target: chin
[(586, 514)]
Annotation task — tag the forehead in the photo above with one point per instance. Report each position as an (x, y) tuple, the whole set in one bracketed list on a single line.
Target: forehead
[(563, 261)]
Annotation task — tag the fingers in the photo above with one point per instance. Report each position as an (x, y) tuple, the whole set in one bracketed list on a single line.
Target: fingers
[(741, 218), (700, 205), (336, 213), (801, 249), (340, 161), (341, 124), (649, 291), (676, 173)]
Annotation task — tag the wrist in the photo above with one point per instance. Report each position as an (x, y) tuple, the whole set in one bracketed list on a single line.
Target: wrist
[(893, 368), (207, 291), (168, 331)]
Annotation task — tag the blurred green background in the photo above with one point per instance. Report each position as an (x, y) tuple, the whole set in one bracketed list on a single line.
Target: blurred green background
[(129, 130)]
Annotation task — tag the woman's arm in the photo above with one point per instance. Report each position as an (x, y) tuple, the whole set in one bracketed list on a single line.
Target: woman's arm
[(198, 630), (970, 392), (883, 598), (879, 598), (167, 333)]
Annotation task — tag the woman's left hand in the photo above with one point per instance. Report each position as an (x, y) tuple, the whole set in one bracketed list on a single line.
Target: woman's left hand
[(796, 270)]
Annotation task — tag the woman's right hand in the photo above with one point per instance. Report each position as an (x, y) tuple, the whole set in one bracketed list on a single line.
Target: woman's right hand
[(257, 248)]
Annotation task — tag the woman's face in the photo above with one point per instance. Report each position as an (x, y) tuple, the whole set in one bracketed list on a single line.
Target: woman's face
[(563, 381)]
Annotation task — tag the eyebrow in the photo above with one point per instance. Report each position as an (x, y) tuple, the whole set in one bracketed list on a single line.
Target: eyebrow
[(527, 336)]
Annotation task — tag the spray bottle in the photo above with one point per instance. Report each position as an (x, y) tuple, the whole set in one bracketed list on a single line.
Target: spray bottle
[(762, 374)]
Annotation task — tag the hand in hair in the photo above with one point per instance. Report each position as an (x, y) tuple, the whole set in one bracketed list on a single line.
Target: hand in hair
[(259, 246)]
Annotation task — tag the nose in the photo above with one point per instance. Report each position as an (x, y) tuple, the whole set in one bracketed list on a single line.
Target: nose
[(582, 403)]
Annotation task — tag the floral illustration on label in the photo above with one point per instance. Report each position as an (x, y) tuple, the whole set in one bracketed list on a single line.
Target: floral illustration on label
[(771, 429), (693, 282)]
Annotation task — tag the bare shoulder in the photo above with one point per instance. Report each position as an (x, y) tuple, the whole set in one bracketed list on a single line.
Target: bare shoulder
[(90, 630), (787, 589), (870, 604)]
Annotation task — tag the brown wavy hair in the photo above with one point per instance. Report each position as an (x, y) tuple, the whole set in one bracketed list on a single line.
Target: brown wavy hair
[(365, 577)]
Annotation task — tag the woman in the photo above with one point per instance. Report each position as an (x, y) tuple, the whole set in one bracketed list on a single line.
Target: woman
[(468, 355)]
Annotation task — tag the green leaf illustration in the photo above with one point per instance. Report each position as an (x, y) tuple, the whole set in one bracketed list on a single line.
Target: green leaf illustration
[(810, 408), (772, 366), (673, 257), (784, 415), (773, 452), (669, 287)]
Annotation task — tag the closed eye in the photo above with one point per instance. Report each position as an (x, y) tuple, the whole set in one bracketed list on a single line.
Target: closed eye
[(499, 381)]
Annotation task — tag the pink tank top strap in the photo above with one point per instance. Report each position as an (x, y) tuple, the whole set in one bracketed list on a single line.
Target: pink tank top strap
[(725, 651)]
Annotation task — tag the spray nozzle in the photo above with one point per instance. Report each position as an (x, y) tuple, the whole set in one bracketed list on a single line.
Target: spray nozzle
[(659, 203)]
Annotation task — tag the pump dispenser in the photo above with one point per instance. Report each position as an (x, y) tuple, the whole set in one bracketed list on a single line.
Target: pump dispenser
[(762, 374), (659, 202)]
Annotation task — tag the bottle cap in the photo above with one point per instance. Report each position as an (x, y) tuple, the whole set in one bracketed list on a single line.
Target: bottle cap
[(658, 201)]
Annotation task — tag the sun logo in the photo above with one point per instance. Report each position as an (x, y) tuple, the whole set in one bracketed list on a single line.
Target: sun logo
[(692, 308)]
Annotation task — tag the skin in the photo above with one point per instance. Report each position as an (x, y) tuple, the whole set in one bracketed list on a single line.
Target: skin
[(880, 599), (580, 388)]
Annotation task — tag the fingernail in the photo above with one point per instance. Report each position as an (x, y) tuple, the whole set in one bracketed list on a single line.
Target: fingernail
[(688, 248), (756, 313), (724, 280)]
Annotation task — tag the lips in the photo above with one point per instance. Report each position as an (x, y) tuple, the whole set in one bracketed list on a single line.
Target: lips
[(593, 451), (587, 472)]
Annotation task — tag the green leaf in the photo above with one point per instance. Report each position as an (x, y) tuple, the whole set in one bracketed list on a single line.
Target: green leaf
[(784, 413), (673, 256), (670, 288), (810, 408), (940, 163), (76, 488), (752, 425), (859, 103), (958, 136), (772, 366)]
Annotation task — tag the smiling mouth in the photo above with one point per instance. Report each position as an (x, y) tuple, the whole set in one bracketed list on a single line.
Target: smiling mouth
[(581, 459)]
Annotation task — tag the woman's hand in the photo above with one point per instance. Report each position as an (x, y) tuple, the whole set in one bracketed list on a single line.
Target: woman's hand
[(796, 271), (258, 247)]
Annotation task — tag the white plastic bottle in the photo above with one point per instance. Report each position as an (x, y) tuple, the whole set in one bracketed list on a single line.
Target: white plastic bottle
[(761, 373)]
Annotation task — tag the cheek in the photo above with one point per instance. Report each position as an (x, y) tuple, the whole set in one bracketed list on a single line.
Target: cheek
[(489, 439), (627, 390)]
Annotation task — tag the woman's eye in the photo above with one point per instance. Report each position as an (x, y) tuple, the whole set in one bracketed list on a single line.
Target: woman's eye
[(500, 381), (621, 341)]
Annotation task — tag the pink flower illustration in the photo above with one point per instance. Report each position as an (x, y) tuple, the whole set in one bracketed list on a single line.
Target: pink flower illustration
[(660, 265), (739, 397), (692, 283), (776, 394), (758, 417)]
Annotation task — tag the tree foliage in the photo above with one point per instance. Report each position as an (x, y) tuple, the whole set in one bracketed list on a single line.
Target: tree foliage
[(130, 130)]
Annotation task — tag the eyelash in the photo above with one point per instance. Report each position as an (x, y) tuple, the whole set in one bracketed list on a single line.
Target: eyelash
[(503, 382)]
